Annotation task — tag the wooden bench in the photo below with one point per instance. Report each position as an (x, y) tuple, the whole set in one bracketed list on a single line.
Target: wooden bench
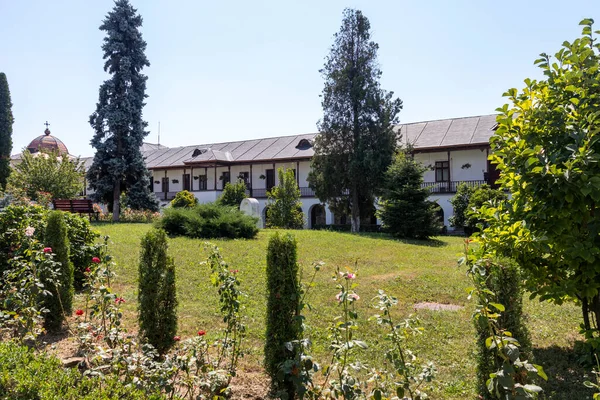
[(80, 206)]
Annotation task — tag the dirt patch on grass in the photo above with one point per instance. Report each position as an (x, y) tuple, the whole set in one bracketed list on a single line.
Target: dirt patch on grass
[(251, 383), (437, 306)]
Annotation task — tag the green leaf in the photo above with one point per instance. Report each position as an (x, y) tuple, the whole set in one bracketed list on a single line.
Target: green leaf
[(497, 306), (533, 388), (400, 392), (540, 372)]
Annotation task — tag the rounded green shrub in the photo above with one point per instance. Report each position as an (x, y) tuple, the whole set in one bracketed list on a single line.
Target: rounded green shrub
[(157, 297), (82, 238), (208, 221), (184, 199), (60, 303), (283, 308)]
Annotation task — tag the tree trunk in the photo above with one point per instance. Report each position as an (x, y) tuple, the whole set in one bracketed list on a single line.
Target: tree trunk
[(594, 306), (116, 201), (355, 211), (590, 308)]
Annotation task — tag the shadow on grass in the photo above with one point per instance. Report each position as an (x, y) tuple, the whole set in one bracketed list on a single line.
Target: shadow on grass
[(565, 374), (50, 338), (387, 236)]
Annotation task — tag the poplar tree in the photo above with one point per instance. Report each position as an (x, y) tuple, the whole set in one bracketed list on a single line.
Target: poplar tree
[(285, 207), (356, 141), (6, 122), (118, 164)]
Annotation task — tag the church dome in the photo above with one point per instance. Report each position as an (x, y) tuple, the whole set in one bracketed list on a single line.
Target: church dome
[(47, 143)]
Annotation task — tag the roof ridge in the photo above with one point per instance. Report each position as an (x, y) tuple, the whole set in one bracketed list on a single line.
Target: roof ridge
[(445, 119)]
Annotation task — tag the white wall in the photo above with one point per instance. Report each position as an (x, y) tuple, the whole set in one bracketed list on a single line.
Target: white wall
[(307, 204), (443, 199), (475, 157), (428, 160), (207, 196), (458, 158)]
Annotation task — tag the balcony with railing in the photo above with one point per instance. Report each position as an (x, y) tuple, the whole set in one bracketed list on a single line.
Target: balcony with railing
[(258, 193), (449, 187), (262, 192)]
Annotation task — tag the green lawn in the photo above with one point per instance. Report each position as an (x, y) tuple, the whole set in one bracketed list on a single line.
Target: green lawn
[(410, 270)]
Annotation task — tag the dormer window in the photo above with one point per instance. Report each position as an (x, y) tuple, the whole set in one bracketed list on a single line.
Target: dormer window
[(197, 152), (304, 144)]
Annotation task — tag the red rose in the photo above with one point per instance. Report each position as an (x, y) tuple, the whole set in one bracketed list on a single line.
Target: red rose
[(79, 312), (119, 300), (176, 338), (87, 269), (96, 260), (47, 249), (201, 333)]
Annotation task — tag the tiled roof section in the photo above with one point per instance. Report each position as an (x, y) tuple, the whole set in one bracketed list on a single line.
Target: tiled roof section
[(422, 135), (466, 131)]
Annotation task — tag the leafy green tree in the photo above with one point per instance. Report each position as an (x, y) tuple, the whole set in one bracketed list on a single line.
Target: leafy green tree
[(468, 200), (60, 302), (285, 208), (283, 309), (483, 195), (547, 147), (47, 172), (404, 208), (157, 297), (233, 194), (6, 122), (118, 164), (460, 205), (356, 141)]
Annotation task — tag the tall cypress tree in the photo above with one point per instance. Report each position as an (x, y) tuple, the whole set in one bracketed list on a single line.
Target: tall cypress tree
[(6, 122), (356, 141), (120, 130)]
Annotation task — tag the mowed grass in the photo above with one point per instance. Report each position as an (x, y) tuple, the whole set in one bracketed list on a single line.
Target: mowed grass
[(413, 271)]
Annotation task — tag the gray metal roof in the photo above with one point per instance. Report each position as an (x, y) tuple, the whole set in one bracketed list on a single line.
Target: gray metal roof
[(467, 131), (267, 149), (446, 133)]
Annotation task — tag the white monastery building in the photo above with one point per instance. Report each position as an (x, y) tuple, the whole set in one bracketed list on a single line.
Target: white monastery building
[(453, 150)]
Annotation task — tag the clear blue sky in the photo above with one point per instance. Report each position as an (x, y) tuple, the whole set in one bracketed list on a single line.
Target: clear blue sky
[(224, 71)]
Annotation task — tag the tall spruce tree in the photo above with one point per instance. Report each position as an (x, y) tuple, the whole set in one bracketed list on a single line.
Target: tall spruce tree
[(356, 141), (6, 122), (120, 130)]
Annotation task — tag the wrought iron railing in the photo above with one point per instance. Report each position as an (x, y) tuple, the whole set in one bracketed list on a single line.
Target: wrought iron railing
[(262, 193), (449, 187), (259, 193)]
